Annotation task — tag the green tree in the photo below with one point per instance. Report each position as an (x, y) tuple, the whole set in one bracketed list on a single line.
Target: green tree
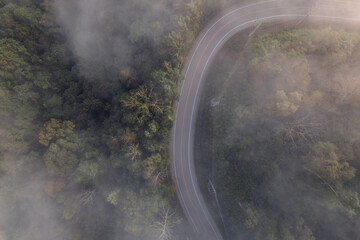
[(54, 129), (326, 162), (285, 104), (150, 165), (138, 101), (113, 197), (61, 158), (303, 232), (252, 218), (86, 172)]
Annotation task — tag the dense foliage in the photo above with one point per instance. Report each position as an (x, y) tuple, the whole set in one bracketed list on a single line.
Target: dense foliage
[(286, 135), (84, 139)]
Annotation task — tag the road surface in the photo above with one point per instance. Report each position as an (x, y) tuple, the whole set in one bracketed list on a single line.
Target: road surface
[(206, 47)]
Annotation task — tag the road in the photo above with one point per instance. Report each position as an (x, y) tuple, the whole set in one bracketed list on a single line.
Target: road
[(199, 60)]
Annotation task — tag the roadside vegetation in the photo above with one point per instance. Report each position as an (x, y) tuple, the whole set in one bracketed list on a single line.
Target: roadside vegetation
[(84, 141), (286, 135)]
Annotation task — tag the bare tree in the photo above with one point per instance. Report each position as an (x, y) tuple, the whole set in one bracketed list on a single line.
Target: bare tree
[(86, 197), (133, 152), (347, 87), (159, 177), (164, 226), (303, 129)]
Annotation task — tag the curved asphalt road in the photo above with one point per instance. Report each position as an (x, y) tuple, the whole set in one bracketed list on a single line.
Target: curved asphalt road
[(206, 47)]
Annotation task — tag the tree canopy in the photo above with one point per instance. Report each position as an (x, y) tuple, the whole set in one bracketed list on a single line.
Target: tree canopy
[(284, 140)]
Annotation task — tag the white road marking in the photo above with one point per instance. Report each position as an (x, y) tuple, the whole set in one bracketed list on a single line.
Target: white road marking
[(193, 108), (182, 86), (199, 83)]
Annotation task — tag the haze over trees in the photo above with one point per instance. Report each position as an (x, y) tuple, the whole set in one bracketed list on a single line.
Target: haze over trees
[(286, 135), (87, 91)]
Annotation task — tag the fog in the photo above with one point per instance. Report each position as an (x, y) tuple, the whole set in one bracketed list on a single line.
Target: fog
[(107, 42), (104, 51), (248, 127), (113, 46)]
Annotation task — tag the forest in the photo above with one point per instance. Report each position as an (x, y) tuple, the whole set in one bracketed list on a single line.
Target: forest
[(87, 91), (285, 137)]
